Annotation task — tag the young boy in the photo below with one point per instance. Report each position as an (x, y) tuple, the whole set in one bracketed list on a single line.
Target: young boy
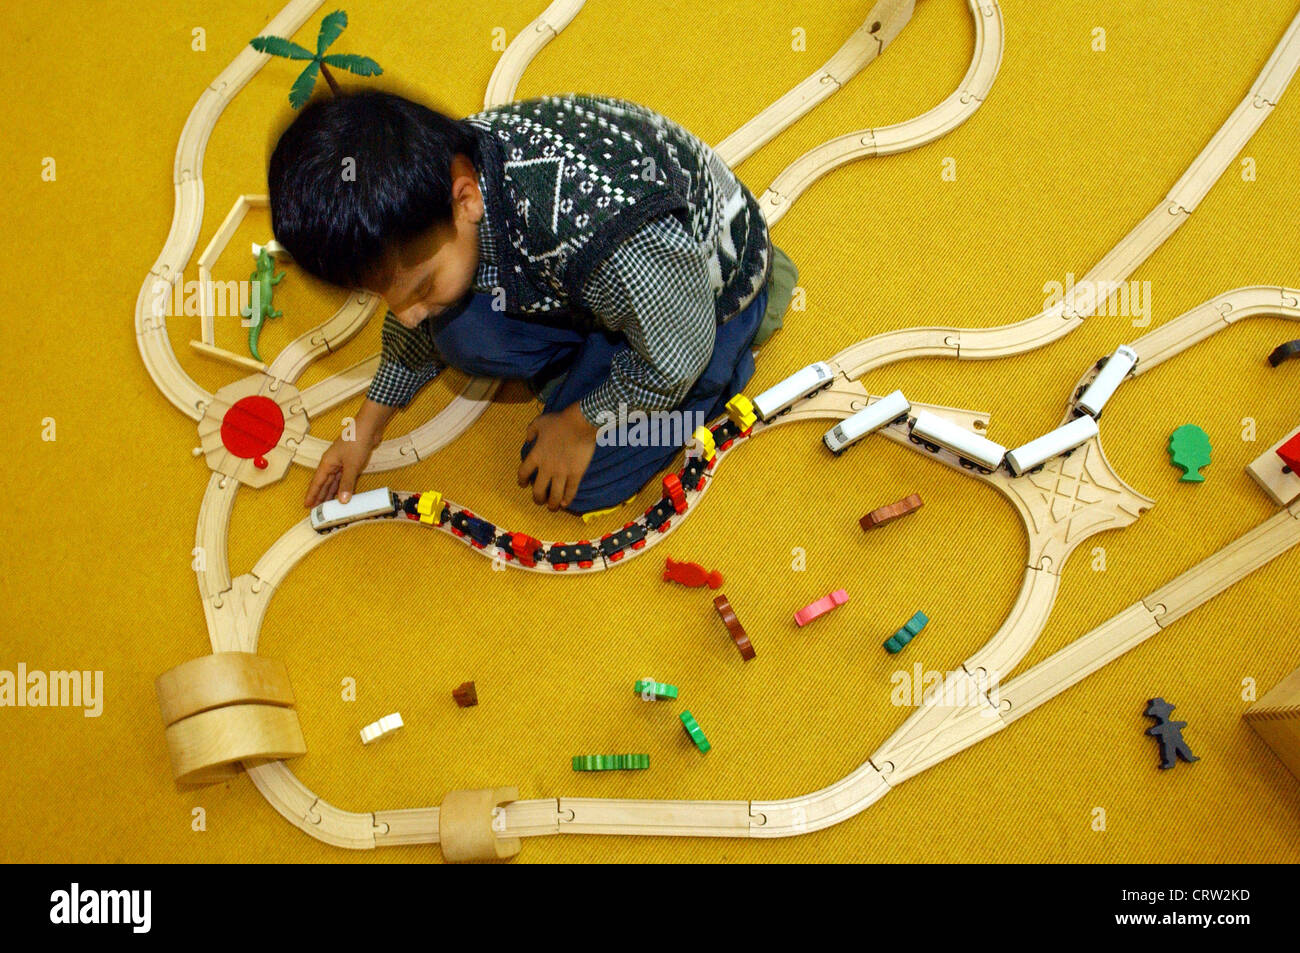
[(584, 244)]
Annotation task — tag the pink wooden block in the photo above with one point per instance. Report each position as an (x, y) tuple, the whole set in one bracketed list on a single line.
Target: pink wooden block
[(821, 606)]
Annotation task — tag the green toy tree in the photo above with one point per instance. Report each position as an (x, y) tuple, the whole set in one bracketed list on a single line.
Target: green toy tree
[(330, 28), (1189, 450)]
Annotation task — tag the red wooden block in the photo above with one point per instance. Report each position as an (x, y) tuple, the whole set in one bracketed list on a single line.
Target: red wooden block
[(673, 490), (821, 606), (691, 574)]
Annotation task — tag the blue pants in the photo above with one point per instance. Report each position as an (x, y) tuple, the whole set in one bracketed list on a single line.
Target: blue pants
[(478, 340)]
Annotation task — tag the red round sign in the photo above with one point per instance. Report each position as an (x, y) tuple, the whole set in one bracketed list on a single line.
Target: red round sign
[(252, 427)]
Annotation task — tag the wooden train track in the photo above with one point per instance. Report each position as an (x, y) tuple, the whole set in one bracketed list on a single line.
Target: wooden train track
[(487, 824)]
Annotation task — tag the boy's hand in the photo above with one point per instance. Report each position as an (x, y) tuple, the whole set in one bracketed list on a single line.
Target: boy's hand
[(562, 449), (339, 468)]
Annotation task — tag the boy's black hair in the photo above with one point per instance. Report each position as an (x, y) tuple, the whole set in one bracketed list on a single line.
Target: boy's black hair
[(338, 227)]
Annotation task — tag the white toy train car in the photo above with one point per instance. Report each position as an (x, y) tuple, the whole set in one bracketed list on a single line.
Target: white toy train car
[(332, 513), (1107, 381), (974, 451), (796, 387), (1062, 440), (883, 412)]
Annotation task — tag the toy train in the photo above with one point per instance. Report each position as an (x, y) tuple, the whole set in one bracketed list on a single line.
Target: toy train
[(1111, 372), (929, 430), (372, 503), (430, 508), (779, 398), (977, 452), (890, 409), (1059, 442)]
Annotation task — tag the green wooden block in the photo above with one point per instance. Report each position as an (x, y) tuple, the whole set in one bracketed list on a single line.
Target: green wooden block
[(693, 729), (611, 762), (895, 643), (659, 690)]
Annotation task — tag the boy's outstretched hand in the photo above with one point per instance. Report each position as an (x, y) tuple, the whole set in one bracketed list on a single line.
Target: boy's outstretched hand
[(563, 445), (339, 468)]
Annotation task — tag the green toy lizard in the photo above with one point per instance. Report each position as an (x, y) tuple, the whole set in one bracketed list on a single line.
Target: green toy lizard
[(264, 280)]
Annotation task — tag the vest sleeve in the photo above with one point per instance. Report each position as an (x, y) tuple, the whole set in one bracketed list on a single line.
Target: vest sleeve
[(407, 362), (655, 290)]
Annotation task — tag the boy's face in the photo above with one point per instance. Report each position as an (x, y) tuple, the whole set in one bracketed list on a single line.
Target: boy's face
[(423, 277)]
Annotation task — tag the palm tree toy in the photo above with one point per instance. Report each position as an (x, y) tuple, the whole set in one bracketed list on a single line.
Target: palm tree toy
[(330, 28)]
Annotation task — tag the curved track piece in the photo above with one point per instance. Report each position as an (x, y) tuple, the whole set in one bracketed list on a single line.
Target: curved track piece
[(1063, 317), (510, 68), (884, 22), (831, 406), (1220, 312), (795, 179), (425, 440), (151, 326), (187, 216)]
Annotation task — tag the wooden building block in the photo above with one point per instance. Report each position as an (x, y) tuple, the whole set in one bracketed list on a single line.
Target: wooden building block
[(822, 606), (381, 728), (1269, 472), (1276, 719), (207, 748), (1289, 453), (220, 679), (887, 514)]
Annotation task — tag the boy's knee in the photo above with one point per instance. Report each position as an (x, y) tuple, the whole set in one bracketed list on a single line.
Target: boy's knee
[(780, 292)]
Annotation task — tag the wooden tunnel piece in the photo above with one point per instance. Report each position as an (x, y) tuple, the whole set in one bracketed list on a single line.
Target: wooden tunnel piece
[(223, 678), (465, 830), (224, 709)]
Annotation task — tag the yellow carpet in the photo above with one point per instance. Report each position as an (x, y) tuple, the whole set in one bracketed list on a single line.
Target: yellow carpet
[(1071, 149)]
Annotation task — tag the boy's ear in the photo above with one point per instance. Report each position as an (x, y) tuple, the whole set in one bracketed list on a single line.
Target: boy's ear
[(377, 279), (464, 186)]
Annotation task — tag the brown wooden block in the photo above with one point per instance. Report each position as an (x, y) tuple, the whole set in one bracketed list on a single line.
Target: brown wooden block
[(887, 514)]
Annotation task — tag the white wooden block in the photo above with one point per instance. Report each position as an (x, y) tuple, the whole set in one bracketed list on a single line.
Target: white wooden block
[(384, 726)]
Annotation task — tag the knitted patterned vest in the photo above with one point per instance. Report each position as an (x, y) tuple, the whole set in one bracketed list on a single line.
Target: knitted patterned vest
[(569, 177)]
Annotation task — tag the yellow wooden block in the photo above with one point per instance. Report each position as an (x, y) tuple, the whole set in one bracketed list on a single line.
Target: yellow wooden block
[(741, 411), (429, 506), (703, 437), (597, 514)]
